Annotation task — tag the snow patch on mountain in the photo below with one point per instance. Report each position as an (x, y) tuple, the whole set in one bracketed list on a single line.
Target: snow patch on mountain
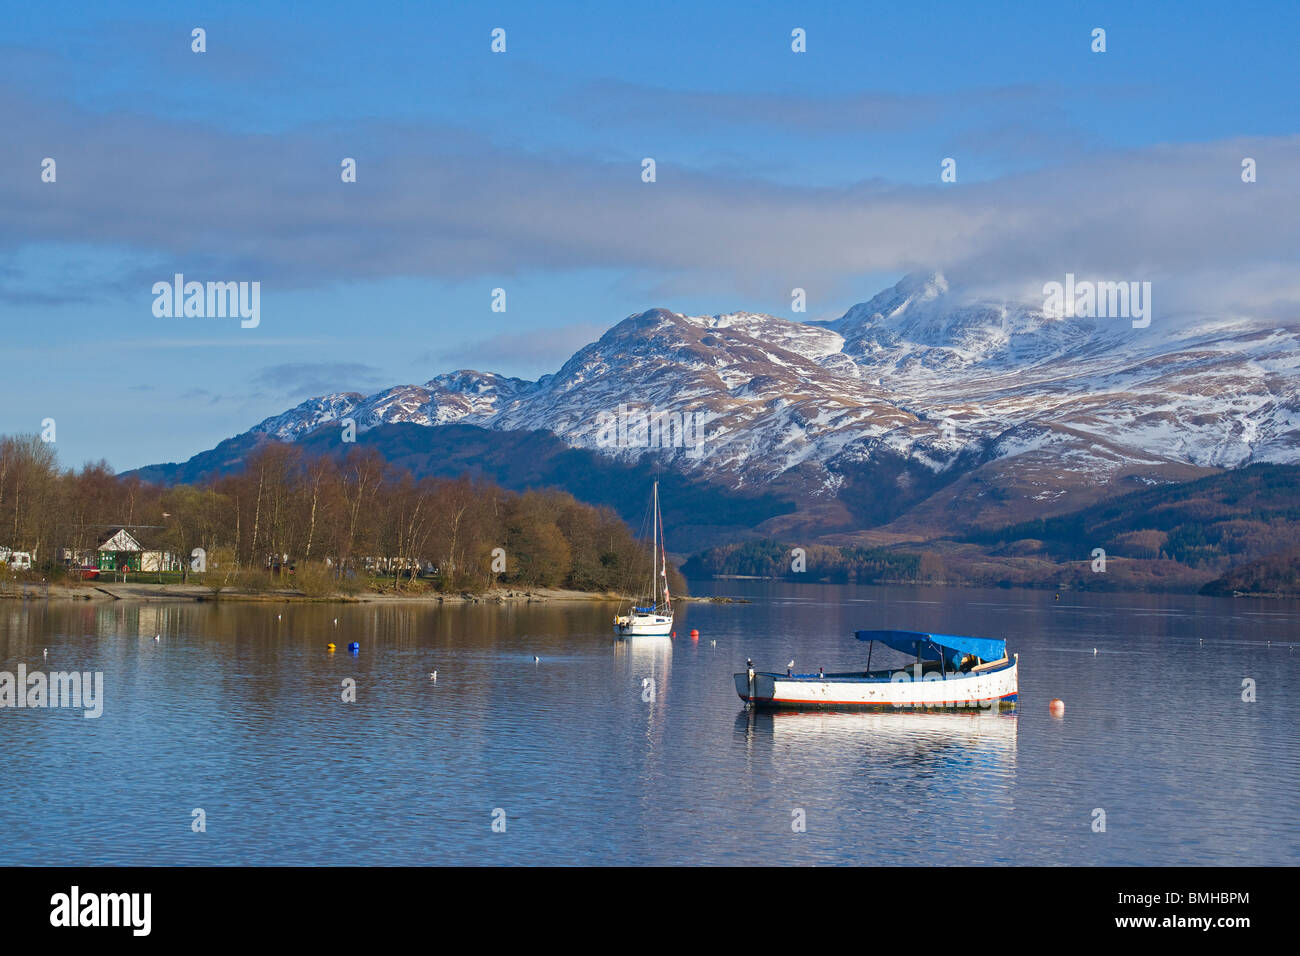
[(919, 371)]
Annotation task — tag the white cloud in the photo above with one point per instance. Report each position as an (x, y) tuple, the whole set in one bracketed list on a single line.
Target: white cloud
[(446, 204)]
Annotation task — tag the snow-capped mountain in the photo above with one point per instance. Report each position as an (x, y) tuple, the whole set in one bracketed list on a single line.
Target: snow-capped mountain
[(921, 394), (454, 397)]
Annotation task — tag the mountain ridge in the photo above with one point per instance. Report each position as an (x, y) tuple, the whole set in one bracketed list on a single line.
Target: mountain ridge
[(920, 408)]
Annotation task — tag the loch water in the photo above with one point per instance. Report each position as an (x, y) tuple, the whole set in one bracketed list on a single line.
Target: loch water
[(639, 751)]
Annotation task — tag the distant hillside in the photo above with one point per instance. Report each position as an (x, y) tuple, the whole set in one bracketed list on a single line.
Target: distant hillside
[(1210, 523), (772, 559), (1177, 536), (1276, 575), (1238, 527)]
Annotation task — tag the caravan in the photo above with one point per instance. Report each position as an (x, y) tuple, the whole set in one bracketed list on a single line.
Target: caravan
[(16, 560)]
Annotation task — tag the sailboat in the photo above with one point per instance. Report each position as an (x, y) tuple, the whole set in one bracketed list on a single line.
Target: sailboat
[(654, 618)]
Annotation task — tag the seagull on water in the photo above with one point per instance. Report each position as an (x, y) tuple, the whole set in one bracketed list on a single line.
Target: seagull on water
[(433, 675), (157, 638), (536, 659)]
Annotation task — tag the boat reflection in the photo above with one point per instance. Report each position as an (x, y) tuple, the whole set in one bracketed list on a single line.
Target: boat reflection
[(986, 739), (644, 651), (648, 660)]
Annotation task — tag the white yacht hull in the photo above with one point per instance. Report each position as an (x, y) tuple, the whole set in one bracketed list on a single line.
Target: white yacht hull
[(643, 625)]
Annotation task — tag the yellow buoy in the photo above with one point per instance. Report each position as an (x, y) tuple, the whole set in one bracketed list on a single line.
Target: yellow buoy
[(330, 648)]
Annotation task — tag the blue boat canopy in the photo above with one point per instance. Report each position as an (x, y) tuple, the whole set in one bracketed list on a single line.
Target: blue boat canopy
[(644, 610), (952, 647)]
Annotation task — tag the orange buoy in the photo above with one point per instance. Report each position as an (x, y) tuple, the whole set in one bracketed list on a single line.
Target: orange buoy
[(1057, 707), (695, 634)]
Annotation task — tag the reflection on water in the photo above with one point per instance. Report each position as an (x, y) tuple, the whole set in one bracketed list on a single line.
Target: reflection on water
[(647, 660), (638, 751), (882, 734), (957, 744)]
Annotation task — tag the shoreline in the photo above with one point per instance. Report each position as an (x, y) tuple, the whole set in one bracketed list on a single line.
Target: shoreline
[(198, 594), (145, 593)]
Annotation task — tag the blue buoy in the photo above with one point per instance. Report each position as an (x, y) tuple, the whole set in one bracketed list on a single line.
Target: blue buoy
[(354, 646)]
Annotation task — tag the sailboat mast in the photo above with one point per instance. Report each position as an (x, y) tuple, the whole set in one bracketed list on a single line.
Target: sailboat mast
[(654, 552), (663, 565)]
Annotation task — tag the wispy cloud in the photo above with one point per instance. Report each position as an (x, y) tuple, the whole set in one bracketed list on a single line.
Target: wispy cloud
[(447, 204)]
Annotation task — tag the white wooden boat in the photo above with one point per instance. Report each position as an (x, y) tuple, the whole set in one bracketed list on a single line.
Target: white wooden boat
[(949, 671), (654, 617)]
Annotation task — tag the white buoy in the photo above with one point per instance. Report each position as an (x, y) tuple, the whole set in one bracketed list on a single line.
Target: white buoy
[(157, 638), (536, 659), (433, 675), (46, 652), (713, 643), (1094, 651)]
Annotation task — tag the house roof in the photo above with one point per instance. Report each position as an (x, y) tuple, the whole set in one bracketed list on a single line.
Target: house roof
[(119, 539)]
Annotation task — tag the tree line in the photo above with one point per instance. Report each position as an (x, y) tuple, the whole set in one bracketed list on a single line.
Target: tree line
[(772, 559), (355, 514)]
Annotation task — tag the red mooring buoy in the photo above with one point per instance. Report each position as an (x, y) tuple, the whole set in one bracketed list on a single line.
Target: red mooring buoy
[(695, 634), (1056, 707)]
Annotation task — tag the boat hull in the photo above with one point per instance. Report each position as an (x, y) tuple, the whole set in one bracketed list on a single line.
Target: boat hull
[(644, 625), (991, 690)]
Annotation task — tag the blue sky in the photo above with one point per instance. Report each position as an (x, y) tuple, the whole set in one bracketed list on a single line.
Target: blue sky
[(522, 171)]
